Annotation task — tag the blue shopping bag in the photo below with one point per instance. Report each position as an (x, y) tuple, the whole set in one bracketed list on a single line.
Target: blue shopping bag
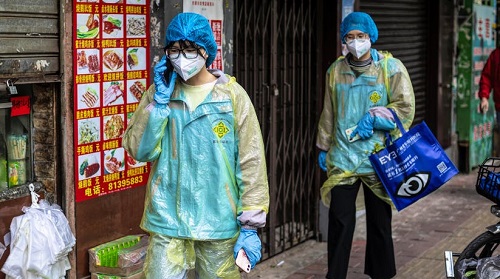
[(412, 166)]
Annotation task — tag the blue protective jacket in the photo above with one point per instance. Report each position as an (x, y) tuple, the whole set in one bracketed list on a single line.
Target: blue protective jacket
[(209, 174)]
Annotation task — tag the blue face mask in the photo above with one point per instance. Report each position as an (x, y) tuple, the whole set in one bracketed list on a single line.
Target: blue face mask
[(358, 47)]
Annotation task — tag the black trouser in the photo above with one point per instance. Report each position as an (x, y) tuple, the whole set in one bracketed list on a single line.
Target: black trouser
[(379, 256)]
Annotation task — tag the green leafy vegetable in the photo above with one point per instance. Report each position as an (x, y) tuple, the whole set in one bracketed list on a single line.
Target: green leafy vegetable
[(92, 91), (83, 166), (114, 21), (88, 34)]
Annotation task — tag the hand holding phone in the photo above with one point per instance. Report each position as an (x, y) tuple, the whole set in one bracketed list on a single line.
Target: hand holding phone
[(242, 261), (349, 131)]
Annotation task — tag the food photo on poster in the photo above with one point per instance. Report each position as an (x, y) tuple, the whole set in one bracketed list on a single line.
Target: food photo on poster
[(136, 58), (87, 26), (136, 2), (112, 59), (133, 163), (89, 166), (136, 26), (135, 90), (89, 130), (113, 93), (112, 26), (114, 160), (87, 61), (113, 126), (88, 95)]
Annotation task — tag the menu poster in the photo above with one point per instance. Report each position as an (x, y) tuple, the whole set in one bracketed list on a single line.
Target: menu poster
[(111, 54), (213, 11)]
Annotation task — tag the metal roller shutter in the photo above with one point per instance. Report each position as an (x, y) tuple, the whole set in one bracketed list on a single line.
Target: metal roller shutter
[(29, 32), (402, 26)]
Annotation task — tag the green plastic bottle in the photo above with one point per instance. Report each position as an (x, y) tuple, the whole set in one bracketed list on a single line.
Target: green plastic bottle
[(3, 164)]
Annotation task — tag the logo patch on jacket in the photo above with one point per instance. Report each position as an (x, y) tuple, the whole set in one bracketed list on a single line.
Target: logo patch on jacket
[(220, 129), (375, 97)]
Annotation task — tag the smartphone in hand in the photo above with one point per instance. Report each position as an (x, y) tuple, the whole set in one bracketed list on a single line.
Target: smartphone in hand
[(242, 261), (349, 131)]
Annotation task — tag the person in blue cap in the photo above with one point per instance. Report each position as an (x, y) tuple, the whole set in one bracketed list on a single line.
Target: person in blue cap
[(360, 89), (208, 191)]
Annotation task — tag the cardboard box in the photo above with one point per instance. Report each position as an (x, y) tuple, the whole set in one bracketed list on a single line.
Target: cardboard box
[(121, 257)]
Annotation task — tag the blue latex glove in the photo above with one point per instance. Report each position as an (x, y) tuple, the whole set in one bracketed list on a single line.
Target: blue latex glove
[(365, 127), (250, 242), (322, 160), (163, 89)]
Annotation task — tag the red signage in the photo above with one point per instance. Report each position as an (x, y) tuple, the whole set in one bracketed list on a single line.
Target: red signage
[(20, 106), (111, 54)]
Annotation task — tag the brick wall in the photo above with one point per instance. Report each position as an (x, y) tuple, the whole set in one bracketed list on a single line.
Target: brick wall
[(45, 134)]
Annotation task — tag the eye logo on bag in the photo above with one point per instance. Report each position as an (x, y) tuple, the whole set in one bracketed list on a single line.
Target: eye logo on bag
[(414, 185), (412, 166)]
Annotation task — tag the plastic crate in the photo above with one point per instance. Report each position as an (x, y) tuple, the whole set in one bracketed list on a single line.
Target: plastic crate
[(488, 179)]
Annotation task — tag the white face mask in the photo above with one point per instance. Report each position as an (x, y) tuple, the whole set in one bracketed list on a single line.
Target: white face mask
[(345, 51), (359, 48), (187, 68)]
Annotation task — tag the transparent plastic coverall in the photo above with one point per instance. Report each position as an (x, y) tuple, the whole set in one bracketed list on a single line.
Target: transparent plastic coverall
[(208, 179), (351, 99)]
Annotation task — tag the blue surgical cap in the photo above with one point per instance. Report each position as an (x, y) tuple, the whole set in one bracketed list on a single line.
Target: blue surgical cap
[(194, 28), (359, 21)]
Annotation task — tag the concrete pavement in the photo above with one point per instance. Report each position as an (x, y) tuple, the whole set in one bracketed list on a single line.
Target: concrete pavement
[(447, 219)]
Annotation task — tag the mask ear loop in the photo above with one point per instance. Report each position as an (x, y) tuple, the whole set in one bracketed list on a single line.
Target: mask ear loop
[(204, 55)]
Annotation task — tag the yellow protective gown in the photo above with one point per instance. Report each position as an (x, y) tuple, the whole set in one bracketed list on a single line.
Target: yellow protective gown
[(347, 98)]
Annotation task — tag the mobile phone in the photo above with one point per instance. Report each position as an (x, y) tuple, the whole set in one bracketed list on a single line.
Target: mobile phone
[(242, 261), (349, 132)]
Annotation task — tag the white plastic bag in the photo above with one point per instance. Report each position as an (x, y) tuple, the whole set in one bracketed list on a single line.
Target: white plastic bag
[(488, 268), (40, 242)]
